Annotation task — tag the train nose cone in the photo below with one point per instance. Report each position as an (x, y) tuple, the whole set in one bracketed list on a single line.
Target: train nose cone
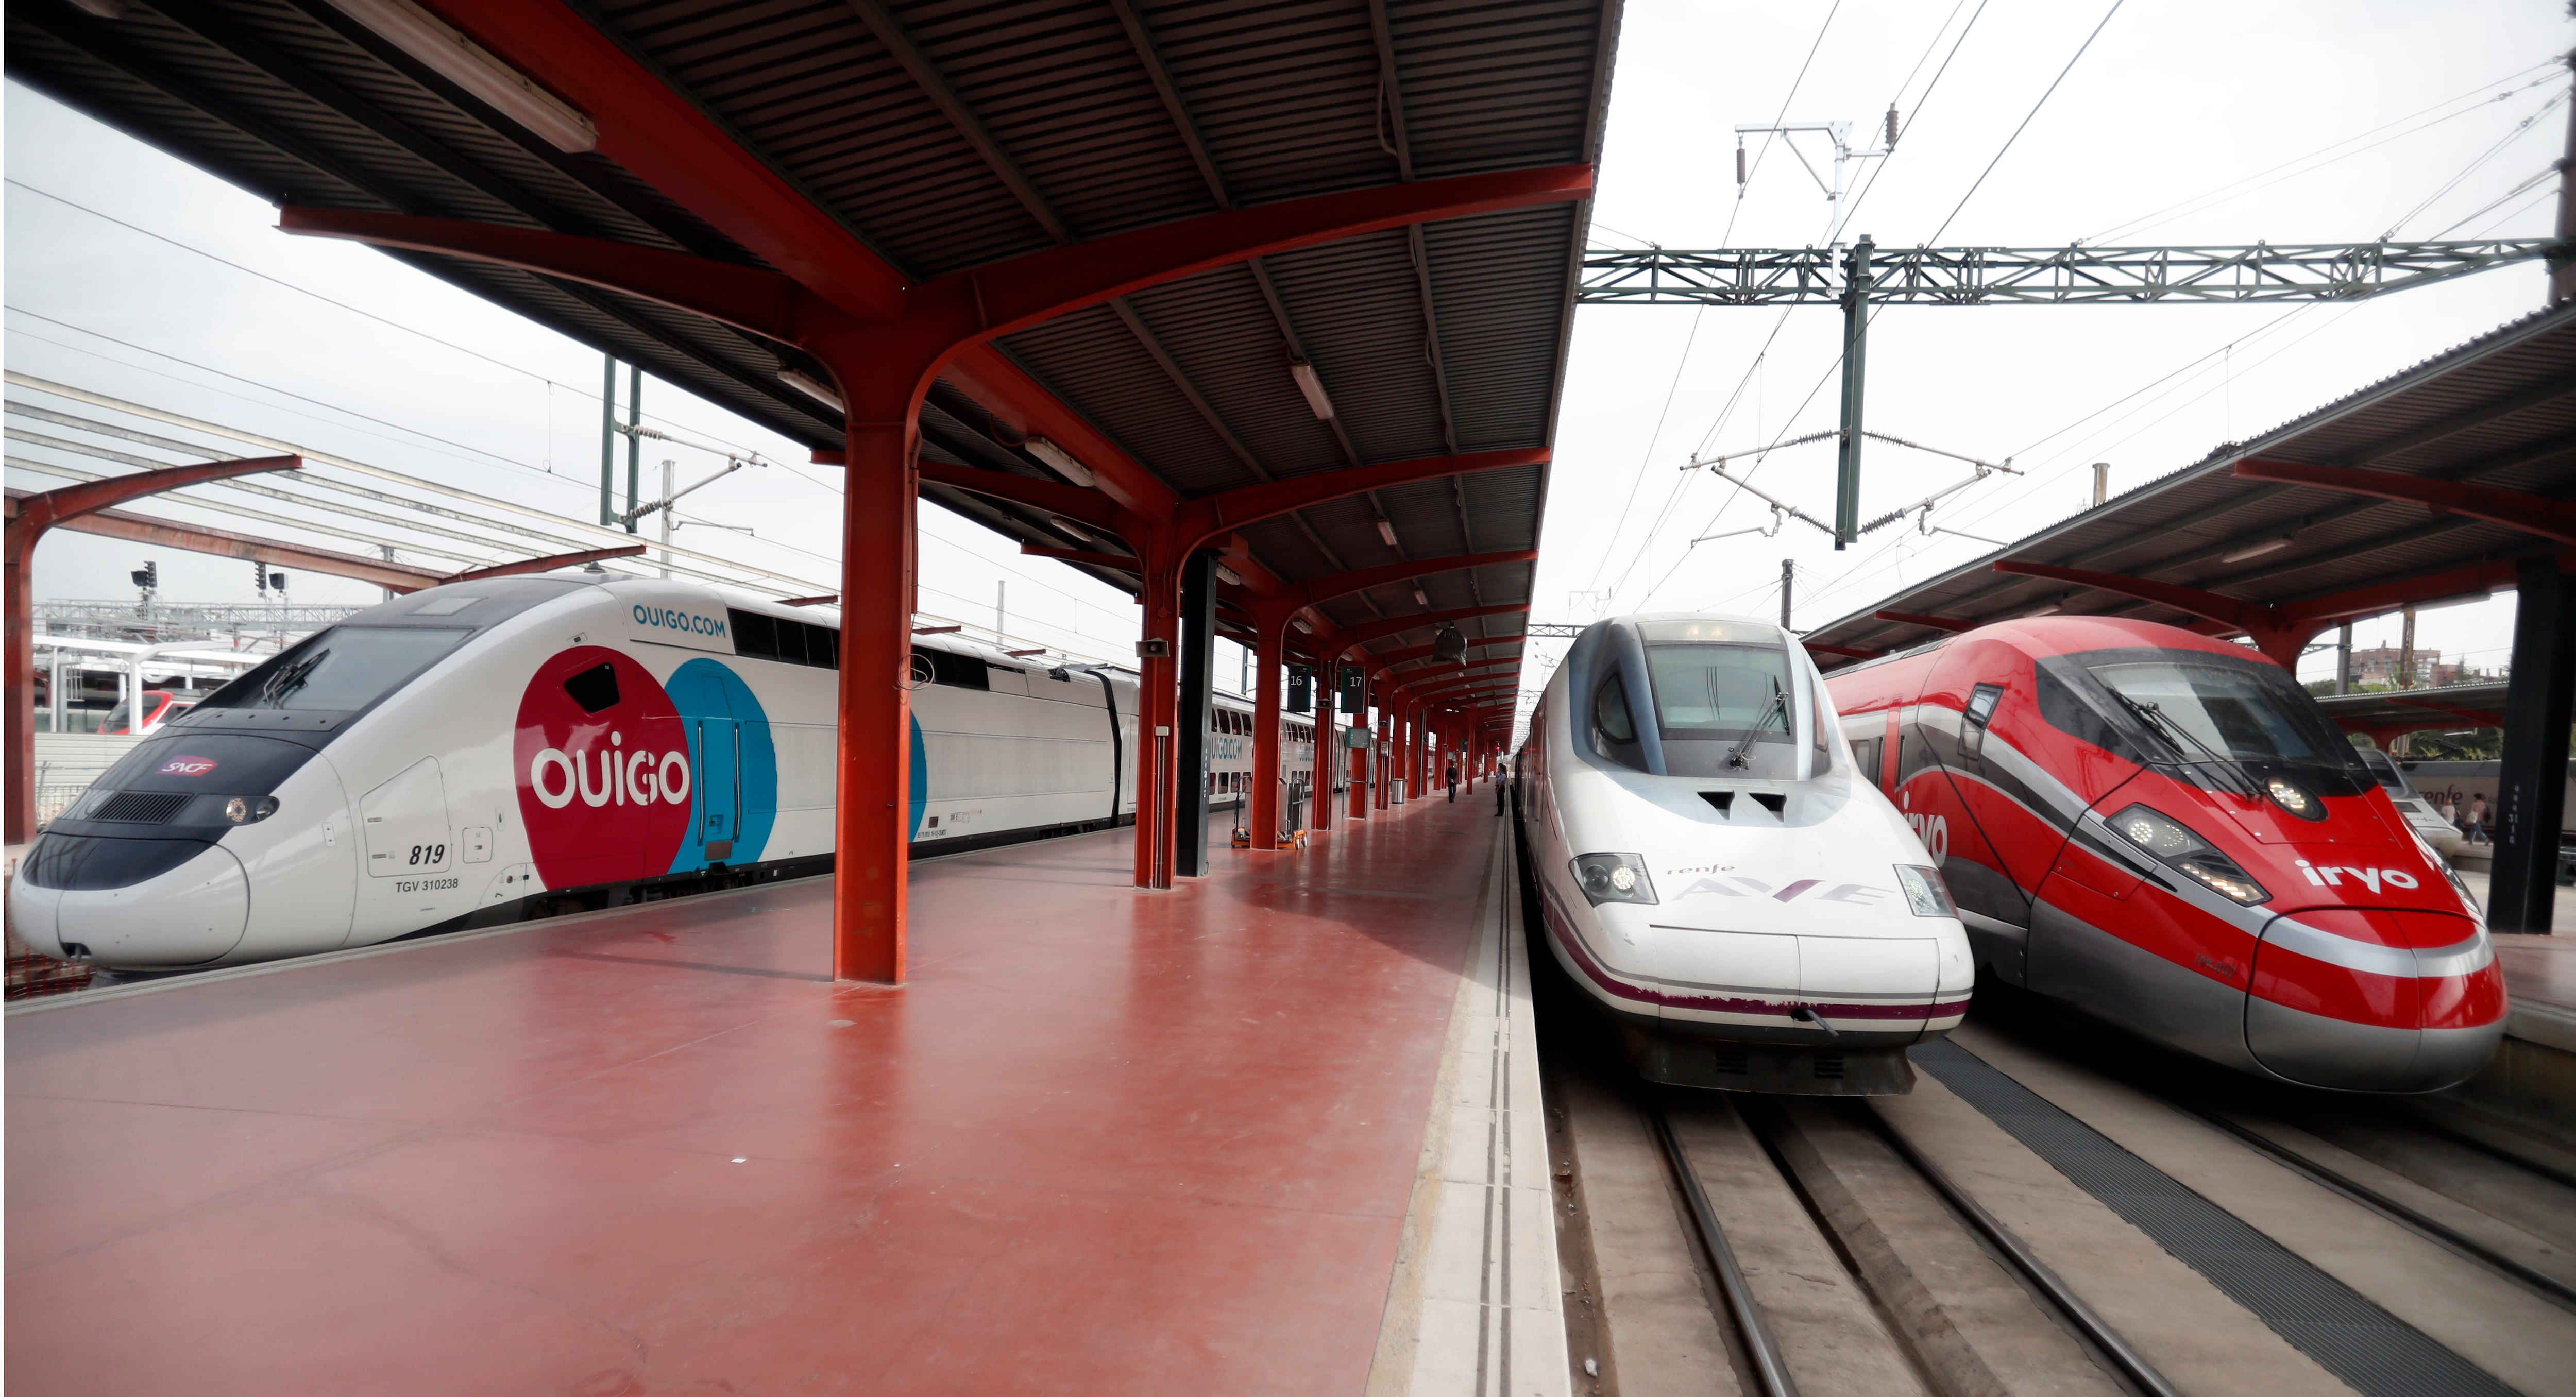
[(132, 903), (2374, 1000)]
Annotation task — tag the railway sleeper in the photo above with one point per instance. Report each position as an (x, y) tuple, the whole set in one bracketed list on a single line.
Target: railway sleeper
[(1969, 1321)]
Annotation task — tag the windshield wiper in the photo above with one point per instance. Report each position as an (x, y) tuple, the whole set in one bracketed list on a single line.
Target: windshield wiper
[(1779, 707), (2240, 780), (288, 680)]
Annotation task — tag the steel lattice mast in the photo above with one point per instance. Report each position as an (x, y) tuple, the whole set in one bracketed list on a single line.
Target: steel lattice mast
[(1864, 276)]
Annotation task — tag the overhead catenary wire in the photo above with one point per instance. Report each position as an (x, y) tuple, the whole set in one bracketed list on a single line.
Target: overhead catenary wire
[(1955, 210), (194, 250), (2180, 208), (1726, 413)]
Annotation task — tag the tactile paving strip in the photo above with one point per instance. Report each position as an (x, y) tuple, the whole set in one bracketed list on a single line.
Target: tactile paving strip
[(2377, 1353)]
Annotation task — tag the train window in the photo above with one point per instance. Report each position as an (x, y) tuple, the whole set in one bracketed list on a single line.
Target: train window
[(823, 647), (595, 688), (1864, 755), (953, 670), (1979, 712), (342, 669), (754, 634), (2208, 706), (1719, 692)]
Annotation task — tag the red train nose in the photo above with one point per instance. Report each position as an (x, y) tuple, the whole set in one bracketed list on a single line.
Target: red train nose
[(2374, 999)]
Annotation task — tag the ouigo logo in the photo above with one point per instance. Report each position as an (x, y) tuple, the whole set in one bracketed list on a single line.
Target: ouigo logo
[(621, 776)]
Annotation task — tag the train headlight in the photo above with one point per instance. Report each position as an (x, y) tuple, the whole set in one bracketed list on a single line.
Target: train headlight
[(1613, 878), (2291, 797), (2187, 853), (1924, 891), (242, 810)]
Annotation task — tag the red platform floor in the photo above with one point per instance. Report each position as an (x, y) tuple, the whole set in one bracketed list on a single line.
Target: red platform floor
[(1103, 1141)]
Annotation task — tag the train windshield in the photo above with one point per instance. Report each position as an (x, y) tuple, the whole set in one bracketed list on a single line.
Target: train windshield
[(2209, 709), (1721, 692), (340, 670)]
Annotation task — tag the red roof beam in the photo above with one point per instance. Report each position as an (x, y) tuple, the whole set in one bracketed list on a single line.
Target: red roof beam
[(548, 563), (1938, 623), (2554, 520)]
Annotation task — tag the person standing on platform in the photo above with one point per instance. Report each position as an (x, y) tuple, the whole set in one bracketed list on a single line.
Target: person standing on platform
[(2478, 818), (1453, 782), (1502, 782)]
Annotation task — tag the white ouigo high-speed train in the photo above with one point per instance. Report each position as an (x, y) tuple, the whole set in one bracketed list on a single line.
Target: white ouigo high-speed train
[(1715, 877), (483, 752)]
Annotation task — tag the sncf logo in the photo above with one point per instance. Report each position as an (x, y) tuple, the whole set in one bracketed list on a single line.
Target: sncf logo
[(186, 766), (2328, 876)]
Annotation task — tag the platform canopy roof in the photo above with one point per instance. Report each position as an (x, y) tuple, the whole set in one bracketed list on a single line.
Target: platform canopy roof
[(2414, 710), (2473, 456), (947, 137)]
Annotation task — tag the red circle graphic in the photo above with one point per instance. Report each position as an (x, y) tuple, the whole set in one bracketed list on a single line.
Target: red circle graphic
[(603, 770)]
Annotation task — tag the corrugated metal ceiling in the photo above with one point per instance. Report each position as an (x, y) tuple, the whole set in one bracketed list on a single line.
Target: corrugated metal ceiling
[(953, 133)]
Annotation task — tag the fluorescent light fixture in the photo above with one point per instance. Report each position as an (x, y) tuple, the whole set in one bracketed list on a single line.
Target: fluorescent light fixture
[(1312, 387), (1302, 627), (2257, 550), (465, 63), (2049, 610), (812, 387), (1226, 575), (1421, 600), (1386, 531), (1062, 462)]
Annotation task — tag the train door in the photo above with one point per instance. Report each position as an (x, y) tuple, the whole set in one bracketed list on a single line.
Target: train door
[(1973, 795), (719, 785)]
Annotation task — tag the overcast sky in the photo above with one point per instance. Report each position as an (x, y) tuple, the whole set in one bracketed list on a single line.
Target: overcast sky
[(2379, 109)]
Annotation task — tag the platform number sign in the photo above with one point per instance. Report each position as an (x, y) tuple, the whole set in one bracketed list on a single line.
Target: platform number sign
[(1301, 689), (1354, 688)]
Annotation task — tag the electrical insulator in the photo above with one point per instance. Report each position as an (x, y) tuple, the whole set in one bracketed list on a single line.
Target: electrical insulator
[(1739, 162), (1891, 128)]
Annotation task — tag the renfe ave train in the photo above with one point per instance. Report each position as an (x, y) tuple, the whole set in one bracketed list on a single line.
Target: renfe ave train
[(2165, 830), (1718, 878), (481, 752)]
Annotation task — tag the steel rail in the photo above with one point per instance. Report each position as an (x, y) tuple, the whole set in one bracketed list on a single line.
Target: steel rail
[(2530, 1277), (1768, 1365), (2492, 1150), (2132, 1365)]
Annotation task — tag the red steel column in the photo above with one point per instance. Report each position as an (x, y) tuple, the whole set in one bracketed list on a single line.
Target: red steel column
[(1158, 707), (1269, 648), (1380, 796), (872, 823)]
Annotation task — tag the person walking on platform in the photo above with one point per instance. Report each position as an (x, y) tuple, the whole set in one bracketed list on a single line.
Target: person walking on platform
[(1453, 782), (1502, 781)]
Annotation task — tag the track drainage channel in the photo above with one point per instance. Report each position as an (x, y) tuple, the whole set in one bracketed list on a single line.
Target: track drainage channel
[(2369, 1348)]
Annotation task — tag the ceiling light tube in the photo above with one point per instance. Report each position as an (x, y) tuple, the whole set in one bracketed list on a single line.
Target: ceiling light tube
[(1312, 387), (1062, 462), (1421, 600), (2257, 550), (465, 63), (812, 387), (1386, 531)]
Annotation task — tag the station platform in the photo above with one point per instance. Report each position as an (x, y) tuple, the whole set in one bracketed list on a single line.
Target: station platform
[(1275, 1131)]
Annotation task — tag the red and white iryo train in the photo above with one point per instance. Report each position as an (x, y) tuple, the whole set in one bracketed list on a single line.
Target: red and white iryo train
[(2165, 831)]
